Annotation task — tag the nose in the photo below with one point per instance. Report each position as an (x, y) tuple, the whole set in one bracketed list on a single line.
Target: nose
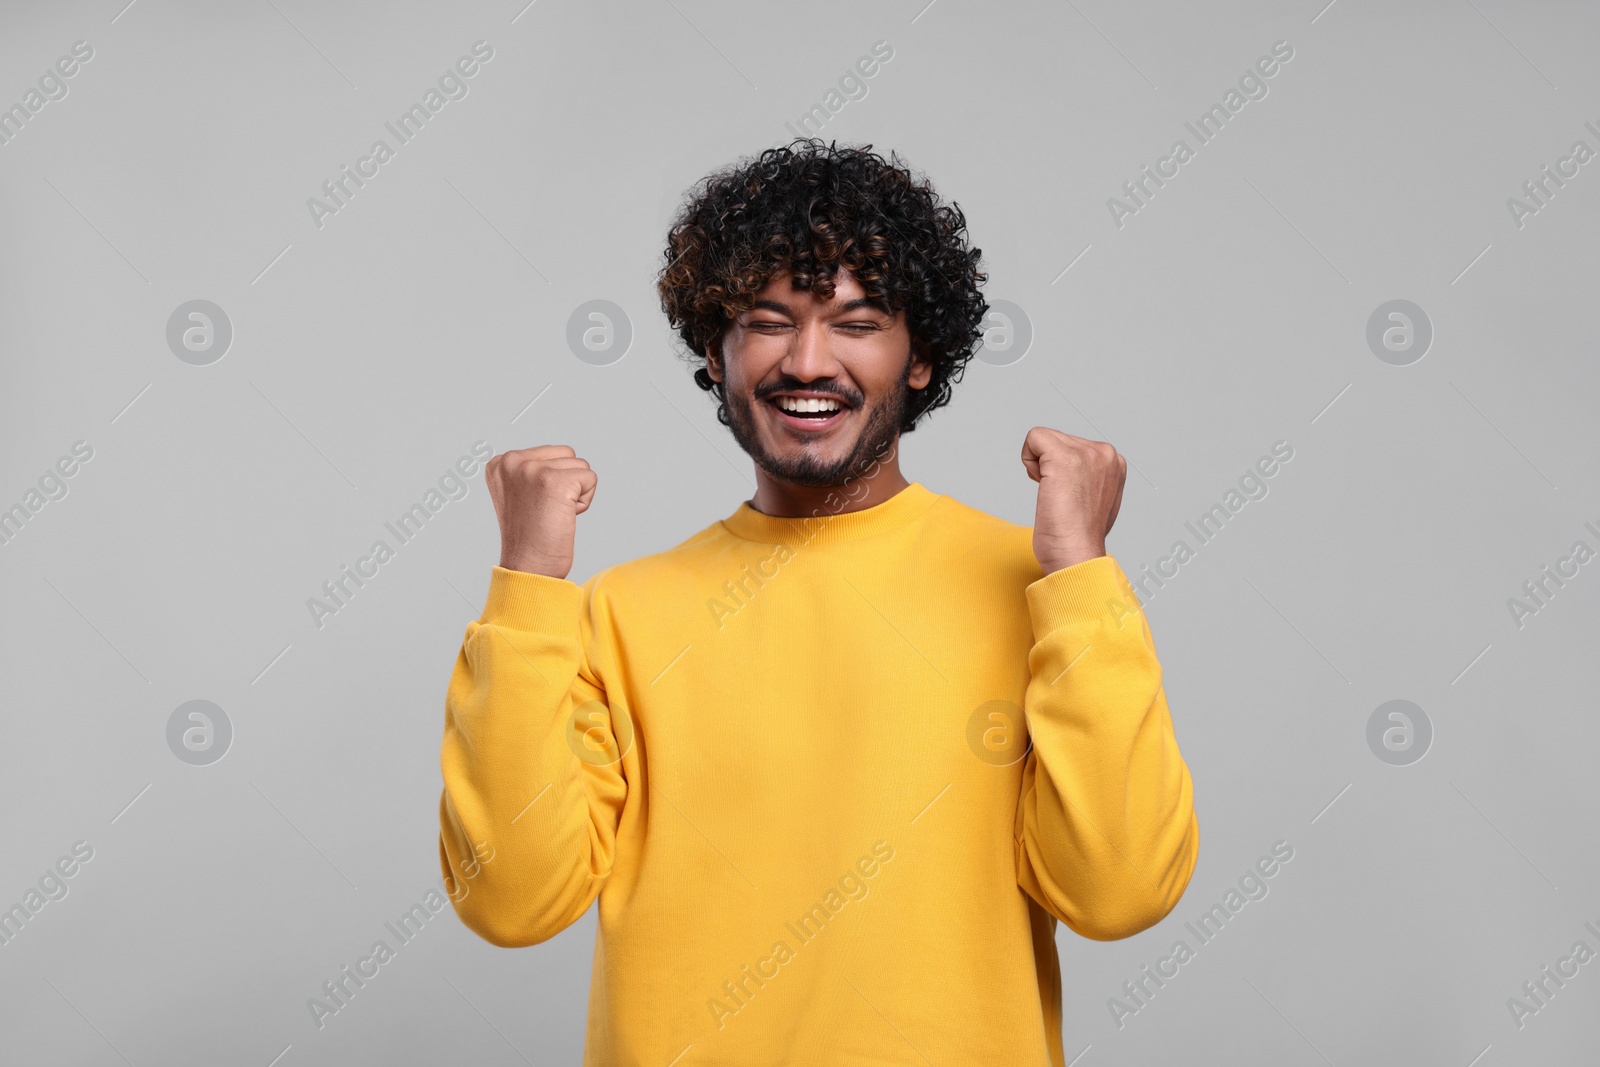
[(810, 357)]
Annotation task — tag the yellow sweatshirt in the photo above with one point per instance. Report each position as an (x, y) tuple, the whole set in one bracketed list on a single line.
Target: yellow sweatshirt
[(832, 779)]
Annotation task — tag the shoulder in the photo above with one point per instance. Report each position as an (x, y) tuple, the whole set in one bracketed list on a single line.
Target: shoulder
[(989, 540), (661, 571), (952, 509), (949, 511)]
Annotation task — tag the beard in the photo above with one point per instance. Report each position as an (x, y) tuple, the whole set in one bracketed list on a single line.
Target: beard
[(877, 436)]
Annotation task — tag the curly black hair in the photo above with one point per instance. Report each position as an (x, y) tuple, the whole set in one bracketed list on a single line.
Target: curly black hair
[(809, 208)]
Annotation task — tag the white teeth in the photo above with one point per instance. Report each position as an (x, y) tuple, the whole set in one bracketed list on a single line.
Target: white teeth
[(789, 403)]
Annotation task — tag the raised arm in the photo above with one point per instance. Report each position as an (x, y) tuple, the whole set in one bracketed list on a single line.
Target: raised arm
[(532, 761), (1106, 832)]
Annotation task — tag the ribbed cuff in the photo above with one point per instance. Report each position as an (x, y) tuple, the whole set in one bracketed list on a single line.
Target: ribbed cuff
[(1095, 590), (538, 603)]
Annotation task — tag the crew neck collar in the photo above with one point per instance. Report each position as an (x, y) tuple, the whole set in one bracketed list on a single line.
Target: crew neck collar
[(825, 527)]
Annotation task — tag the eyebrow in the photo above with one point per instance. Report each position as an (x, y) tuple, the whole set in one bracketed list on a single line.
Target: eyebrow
[(876, 304)]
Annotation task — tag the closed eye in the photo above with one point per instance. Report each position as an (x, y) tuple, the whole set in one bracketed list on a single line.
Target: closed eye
[(856, 327)]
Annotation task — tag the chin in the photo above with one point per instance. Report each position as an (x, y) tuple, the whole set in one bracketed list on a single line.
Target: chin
[(801, 466)]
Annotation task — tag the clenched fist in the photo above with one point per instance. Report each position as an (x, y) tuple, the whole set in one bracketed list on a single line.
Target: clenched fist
[(538, 494), (1080, 490)]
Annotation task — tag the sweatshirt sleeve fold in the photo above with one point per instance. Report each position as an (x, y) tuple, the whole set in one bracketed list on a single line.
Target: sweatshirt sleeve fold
[(533, 776), (1106, 834)]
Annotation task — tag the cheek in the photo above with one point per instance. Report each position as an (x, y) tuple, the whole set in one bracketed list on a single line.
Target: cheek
[(749, 364)]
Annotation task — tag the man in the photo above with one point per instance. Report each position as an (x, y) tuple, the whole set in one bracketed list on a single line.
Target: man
[(835, 765)]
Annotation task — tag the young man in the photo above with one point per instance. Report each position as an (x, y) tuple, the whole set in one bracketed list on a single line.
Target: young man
[(835, 765)]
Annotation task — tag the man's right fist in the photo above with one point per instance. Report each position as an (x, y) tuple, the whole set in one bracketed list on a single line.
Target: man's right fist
[(538, 494)]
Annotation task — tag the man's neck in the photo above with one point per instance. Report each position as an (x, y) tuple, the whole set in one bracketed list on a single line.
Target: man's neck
[(782, 499)]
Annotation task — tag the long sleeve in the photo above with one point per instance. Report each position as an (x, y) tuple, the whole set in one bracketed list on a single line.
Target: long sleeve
[(533, 776), (1106, 831)]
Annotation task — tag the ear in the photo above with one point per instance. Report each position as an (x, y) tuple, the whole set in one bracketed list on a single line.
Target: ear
[(714, 360), (921, 366)]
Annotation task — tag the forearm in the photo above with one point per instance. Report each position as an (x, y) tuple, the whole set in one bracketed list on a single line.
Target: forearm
[(1107, 835)]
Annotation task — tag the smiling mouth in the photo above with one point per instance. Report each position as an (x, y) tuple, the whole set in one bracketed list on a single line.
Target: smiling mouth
[(808, 413)]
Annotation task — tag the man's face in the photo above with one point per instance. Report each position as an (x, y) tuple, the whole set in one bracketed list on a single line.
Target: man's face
[(847, 355)]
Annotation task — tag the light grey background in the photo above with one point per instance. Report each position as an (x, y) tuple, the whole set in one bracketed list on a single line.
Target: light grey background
[(367, 355)]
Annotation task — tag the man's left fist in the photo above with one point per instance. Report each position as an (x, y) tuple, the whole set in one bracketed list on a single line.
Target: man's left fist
[(1080, 490)]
